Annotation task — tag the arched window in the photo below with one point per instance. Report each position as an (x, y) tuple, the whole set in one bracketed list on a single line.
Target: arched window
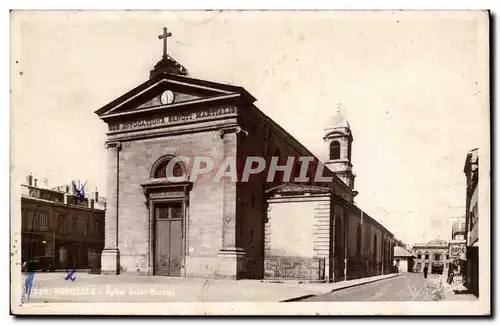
[(358, 240), (334, 150), (160, 168), (278, 175), (296, 171)]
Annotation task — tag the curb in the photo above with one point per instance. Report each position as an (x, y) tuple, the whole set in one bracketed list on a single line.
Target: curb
[(338, 289)]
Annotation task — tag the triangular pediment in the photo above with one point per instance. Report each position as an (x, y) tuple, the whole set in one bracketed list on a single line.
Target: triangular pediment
[(181, 91)]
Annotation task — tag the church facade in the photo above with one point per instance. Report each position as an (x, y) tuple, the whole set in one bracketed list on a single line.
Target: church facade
[(212, 226)]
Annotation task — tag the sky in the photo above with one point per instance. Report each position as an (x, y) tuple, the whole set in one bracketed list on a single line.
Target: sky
[(413, 85)]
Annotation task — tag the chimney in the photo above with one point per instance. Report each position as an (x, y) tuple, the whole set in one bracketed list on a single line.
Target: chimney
[(29, 180), (67, 189), (66, 196), (91, 203), (35, 180), (96, 195)]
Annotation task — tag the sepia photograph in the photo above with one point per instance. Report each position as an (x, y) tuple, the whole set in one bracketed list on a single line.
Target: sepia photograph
[(252, 162)]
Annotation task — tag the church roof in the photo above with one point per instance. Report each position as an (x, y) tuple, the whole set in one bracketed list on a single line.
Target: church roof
[(338, 119), (401, 252)]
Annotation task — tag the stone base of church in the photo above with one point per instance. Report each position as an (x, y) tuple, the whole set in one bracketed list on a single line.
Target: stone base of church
[(226, 265), (231, 263), (110, 261)]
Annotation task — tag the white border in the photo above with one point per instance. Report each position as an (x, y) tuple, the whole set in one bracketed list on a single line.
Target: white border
[(256, 4)]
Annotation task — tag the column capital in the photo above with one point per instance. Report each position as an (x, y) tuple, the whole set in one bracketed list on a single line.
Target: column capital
[(232, 129), (114, 144)]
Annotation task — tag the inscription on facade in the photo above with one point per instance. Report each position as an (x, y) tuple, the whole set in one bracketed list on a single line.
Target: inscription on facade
[(172, 119), (167, 194)]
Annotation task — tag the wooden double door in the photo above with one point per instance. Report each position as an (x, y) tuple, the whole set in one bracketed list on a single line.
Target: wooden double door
[(169, 248)]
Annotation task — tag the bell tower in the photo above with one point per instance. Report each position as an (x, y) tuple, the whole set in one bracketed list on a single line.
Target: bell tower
[(339, 138)]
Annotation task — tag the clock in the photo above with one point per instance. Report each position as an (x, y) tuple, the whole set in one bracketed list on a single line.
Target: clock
[(167, 97)]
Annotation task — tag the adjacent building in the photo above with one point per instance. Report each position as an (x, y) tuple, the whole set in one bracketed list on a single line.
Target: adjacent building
[(61, 224), (260, 228), (471, 170), (434, 255), (458, 229), (403, 259), (458, 247)]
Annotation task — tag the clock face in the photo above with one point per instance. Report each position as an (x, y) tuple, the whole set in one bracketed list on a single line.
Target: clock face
[(167, 97)]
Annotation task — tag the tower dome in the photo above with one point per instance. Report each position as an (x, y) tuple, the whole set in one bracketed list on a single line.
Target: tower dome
[(339, 138), (338, 120)]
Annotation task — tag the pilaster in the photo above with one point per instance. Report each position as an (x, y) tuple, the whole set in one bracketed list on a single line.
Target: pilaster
[(232, 257), (111, 253)]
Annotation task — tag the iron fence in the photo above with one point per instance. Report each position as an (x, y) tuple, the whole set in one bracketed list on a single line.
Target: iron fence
[(294, 268)]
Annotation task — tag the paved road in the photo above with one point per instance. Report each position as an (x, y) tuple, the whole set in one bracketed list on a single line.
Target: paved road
[(408, 287)]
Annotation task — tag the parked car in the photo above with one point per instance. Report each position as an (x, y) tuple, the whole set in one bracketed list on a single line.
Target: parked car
[(40, 263), (437, 268)]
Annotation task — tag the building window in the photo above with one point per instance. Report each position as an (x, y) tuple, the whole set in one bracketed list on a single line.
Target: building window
[(309, 177), (447, 256), (419, 256), (358, 240), (437, 257), (295, 171), (161, 169), (86, 229), (43, 221), (31, 215), (75, 225), (426, 256), (471, 221), (97, 227), (277, 153), (61, 224), (279, 176), (334, 150)]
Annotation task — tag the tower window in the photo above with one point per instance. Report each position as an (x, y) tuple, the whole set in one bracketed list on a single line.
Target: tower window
[(334, 150)]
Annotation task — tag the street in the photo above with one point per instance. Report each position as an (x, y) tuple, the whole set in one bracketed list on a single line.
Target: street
[(408, 287), (58, 287)]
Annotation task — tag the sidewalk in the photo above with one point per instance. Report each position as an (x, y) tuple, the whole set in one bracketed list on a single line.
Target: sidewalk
[(128, 288), (458, 292), (442, 290)]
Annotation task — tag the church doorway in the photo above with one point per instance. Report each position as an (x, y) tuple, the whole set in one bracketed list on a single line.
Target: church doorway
[(169, 234)]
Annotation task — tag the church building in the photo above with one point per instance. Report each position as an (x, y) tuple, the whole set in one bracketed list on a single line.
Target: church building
[(262, 228)]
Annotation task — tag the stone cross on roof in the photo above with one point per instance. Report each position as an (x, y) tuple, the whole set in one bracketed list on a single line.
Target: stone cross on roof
[(165, 36)]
